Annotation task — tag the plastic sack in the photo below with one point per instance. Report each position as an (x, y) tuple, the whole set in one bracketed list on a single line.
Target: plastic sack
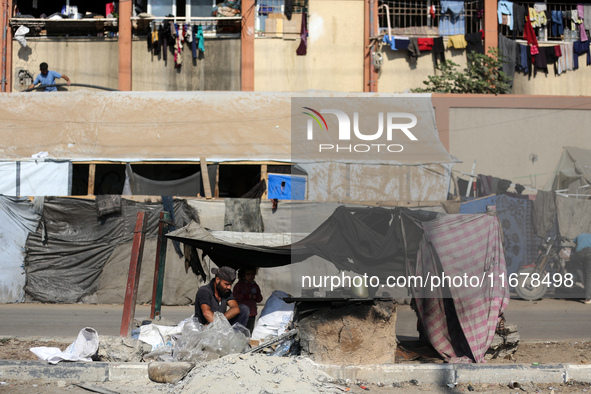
[(82, 349), (275, 317), (158, 336), (216, 340)]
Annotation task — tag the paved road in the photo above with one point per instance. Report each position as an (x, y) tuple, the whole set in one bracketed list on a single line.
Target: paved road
[(546, 320)]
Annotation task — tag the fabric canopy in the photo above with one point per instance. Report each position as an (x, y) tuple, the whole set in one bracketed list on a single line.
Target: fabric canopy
[(572, 171)]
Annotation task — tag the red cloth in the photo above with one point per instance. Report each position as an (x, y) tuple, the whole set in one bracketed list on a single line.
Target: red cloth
[(243, 290), (530, 35), (109, 8), (557, 51), (425, 44)]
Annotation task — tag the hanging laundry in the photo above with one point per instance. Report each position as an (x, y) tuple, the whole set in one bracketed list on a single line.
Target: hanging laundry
[(288, 9), (458, 41), (557, 28), (579, 48), (518, 19), (474, 41), (552, 55), (425, 44), (200, 39), (581, 13), (401, 42), (438, 50), (522, 64), (530, 36), (509, 50), (389, 40), (505, 13), (178, 47), (413, 50), (156, 41), (303, 48), (587, 16), (566, 60), (451, 19)]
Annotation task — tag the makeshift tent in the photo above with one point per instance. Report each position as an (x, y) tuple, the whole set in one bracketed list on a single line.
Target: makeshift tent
[(459, 322), (224, 127), (17, 219), (573, 172), (65, 258), (460, 318)]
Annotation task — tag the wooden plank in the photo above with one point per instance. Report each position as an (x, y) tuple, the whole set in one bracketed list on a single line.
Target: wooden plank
[(216, 194), (265, 177), (159, 265), (205, 178), (91, 177), (133, 277)]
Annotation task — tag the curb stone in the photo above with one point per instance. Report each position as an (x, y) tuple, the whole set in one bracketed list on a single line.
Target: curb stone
[(440, 374)]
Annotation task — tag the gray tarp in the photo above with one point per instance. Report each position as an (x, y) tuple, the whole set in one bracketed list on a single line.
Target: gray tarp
[(17, 220), (574, 216), (572, 172), (191, 186), (68, 266)]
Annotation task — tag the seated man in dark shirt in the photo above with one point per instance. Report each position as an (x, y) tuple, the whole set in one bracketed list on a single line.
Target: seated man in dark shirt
[(217, 297)]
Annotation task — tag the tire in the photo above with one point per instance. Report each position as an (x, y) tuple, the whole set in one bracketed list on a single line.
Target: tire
[(526, 291)]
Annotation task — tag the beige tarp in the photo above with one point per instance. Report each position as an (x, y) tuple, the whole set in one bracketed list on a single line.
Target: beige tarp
[(89, 125)]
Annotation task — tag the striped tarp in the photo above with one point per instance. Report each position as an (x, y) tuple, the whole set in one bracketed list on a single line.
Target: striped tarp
[(460, 317)]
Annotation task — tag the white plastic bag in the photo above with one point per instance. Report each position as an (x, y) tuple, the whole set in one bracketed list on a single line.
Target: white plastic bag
[(82, 349), (275, 317)]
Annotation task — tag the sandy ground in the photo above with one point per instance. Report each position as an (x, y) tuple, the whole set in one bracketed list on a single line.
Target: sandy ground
[(262, 374)]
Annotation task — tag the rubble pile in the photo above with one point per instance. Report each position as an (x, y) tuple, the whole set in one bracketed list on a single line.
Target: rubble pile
[(257, 373)]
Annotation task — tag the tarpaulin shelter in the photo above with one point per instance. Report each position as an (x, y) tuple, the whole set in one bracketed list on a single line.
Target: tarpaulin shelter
[(459, 322), (66, 257), (573, 171)]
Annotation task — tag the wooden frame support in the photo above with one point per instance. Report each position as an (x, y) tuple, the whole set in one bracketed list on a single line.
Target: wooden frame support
[(6, 46), (205, 177), (159, 265), (133, 279), (91, 178), (265, 177)]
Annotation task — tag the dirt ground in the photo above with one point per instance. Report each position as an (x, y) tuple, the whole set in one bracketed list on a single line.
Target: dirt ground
[(543, 353)]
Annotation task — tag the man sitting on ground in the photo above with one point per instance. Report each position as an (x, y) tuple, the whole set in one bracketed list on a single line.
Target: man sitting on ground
[(217, 297)]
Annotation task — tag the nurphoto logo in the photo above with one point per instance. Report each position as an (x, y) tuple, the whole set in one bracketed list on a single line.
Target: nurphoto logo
[(391, 122)]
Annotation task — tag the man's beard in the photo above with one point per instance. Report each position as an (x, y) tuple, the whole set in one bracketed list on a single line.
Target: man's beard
[(221, 291)]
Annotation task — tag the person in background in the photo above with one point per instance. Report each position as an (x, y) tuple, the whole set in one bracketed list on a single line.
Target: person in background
[(247, 292), (48, 77), (217, 297), (582, 256)]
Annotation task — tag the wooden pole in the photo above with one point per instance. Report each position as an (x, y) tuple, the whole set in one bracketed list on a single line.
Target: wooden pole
[(205, 177), (91, 178), (133, 278), (159, 265)]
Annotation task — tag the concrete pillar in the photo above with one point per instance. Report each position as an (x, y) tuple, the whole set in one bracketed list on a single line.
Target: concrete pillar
[(6, 46), (247, 46), (125, 12), (491, 25)]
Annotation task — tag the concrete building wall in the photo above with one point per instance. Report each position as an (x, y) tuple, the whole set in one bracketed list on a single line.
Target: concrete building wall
[(398, 75), (94, 61), (335, 52), (501, 140)]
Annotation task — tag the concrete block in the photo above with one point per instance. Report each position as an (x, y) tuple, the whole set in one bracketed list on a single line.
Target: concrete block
[(127, 371), (388, 373), (579, 373), (43, 371), (522, 373)]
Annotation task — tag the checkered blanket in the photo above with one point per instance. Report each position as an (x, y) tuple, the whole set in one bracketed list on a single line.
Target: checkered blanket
[(460, 318)]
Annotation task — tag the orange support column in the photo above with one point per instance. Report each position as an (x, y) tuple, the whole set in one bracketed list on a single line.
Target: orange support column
[(247, 47), (125, 12), (6, 46), (491, 25)]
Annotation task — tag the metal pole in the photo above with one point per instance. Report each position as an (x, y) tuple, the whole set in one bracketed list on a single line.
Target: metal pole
[(159, 265), (133, 278)]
